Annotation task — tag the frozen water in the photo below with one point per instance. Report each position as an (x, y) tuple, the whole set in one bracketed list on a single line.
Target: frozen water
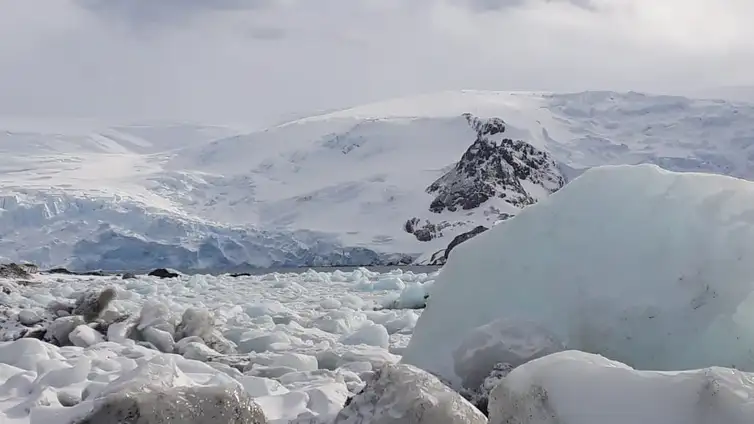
[(580, 388), (284, 339), (649, 267)]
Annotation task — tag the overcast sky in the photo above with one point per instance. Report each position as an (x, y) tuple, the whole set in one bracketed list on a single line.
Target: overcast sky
[(258, 60)]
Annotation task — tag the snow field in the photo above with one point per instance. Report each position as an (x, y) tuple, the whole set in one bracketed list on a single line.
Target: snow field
[(299, 344)]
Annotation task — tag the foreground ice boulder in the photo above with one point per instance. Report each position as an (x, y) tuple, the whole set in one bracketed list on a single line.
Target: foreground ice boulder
[(181, 405), (645, 266), (403, 394), (579, 388)]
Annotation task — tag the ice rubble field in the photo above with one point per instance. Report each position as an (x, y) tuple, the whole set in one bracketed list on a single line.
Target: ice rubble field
[(312, 338), (630, 263)]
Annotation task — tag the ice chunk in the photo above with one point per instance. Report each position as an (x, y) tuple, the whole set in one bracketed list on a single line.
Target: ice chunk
[(59, 330), (578, 387), (389, 283), (156, 314), (296, 361), (372, 335), (85, 336), (405, 394), (162, 340), (264, 342), (195, 322), (330, 303), (641, 265), (259, 386), (198, 351), (29, 317), (118, 332)]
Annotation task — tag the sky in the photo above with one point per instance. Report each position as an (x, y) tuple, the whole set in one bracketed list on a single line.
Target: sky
[(266, 60)]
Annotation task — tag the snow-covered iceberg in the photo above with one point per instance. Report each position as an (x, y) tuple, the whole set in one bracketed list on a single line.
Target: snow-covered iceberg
[(644, 266)]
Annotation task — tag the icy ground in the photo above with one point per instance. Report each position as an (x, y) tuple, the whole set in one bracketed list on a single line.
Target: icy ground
[(300, 344)]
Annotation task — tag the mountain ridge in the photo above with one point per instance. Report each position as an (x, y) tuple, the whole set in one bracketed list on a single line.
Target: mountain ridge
[(349, 179)]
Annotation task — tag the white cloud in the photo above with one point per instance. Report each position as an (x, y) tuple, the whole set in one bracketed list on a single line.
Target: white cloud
[(248, 60)]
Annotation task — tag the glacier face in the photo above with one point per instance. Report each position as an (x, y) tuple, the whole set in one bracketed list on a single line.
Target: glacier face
[(334, 188)]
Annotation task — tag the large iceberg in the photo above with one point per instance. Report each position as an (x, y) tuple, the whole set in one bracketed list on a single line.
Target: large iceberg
[(651, 268)]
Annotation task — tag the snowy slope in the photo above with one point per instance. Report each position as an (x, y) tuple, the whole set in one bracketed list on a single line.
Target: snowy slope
[(342, 183)]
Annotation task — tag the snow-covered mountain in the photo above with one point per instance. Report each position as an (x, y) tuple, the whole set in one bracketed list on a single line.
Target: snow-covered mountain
[(341, 187)]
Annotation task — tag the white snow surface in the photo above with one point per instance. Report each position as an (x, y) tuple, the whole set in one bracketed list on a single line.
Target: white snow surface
[(288, 329), (90, 195), (579, 388), (645, 266)]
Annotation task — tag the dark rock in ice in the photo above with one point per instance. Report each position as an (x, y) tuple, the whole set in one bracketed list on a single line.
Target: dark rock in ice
[(240, 274), (60, 271), (163, 273), (426, 231), (92, 303), (183, 405), (128, 276), (479, 397), (65, 271), (14, 270), (36, 333)]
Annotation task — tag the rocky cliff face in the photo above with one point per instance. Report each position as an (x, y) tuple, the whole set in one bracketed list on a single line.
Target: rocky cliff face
[(494, 177), (494, 166)]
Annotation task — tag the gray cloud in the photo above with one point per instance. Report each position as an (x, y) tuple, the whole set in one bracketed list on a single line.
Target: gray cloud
[(498, 5), (150, 12), (234, 60)]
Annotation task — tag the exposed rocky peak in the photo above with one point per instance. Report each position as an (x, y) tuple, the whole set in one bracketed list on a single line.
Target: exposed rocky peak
[(485, 127), (494, 166), (512, 172)]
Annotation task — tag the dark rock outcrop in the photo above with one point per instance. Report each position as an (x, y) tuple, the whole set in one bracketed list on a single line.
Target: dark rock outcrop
[(492, 168), (163, 273), (13, 270), (426, 231), (462, 238), (66, 271)]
